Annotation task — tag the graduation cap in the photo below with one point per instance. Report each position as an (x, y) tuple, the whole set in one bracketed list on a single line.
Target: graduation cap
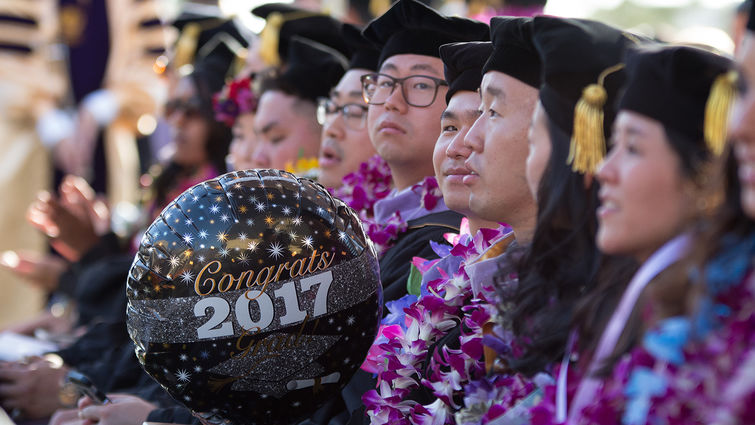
[(583, 71), (513, 52), (313, 69), (363, 54), (213, 46), (201, 34), (285, 21), (688, 89), (462, 65), (410, 27)]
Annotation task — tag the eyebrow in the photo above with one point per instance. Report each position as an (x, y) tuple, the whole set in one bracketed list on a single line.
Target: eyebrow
[(388, 66), (496, 92), (423, 67), (634, 131), (268, 127), (472, 114), (416, 67), (354, 93), (469, 114), (448, 115)]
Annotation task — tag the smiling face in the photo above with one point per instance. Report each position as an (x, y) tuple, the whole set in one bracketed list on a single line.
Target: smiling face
[(742, 126), (450, 153), (498, 140), (404, 135), (645, 200), (344, 147), (286, 128)]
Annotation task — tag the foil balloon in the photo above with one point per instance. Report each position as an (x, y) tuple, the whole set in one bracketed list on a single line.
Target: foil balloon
[(254, 297)]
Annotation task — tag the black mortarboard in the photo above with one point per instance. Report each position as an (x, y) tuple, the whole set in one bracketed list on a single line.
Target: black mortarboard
[(313, 69), (410, 27), (513, 51), (285, 21), (363, 54), (462, 65), (582, 63), (208, 38), (677, 85)]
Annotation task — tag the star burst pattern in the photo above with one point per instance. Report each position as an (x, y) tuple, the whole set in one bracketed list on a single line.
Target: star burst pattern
[(275, 250), (258, 224)]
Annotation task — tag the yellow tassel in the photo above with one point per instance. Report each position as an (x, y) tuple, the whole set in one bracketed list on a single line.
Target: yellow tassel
[(269, 39), (378, 7), (588, 144), (720, 101), (186, 46)]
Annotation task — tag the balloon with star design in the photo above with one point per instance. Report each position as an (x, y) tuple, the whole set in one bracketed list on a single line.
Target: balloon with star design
[(254, 297)]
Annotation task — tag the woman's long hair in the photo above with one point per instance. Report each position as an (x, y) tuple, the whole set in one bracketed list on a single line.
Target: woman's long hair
[(562, 267), (217, 143)]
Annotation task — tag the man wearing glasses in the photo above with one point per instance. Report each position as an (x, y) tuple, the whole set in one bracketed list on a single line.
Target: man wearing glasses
[(285, 125), (343, 115), (406, 98)]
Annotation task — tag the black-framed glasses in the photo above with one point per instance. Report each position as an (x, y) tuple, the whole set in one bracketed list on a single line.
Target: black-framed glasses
[(418, 90), (354, 114)]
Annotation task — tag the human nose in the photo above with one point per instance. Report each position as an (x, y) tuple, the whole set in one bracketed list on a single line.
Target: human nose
[(333, 126), (475, 137), (396, 100), (607, 168), (457, 148), (260, 157)]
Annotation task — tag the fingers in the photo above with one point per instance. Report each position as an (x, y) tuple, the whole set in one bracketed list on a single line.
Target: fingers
[(42, 214), (77, 188), (84, 402), (94, 413), (65, 416)]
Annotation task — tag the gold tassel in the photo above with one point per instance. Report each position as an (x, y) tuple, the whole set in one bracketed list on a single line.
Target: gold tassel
[(378, 7), (269, 39), (186, 45), (720, 101), (588, 144)]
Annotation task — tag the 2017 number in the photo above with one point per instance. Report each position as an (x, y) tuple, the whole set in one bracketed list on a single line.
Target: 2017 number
[(218, 326)]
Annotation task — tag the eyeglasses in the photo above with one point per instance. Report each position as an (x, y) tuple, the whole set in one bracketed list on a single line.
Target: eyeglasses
[(191, 107), (354, 114), (418, 90)]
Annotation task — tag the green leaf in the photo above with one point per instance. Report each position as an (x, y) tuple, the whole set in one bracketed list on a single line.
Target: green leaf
[(414, 282)]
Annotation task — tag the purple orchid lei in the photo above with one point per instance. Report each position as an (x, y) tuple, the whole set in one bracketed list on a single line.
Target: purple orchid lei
[(371, 183), (415, 324), (697, 370)]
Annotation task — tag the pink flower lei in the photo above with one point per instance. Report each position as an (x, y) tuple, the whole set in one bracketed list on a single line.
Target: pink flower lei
[(237, 97), (362, 188), (401, 349), (371, 183)]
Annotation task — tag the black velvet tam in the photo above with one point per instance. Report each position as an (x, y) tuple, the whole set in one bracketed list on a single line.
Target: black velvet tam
[(462, 64), (410, 27), (315, 26), (363, 54), (513, 52), (574, 54), (313, 69), (671, 84)]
